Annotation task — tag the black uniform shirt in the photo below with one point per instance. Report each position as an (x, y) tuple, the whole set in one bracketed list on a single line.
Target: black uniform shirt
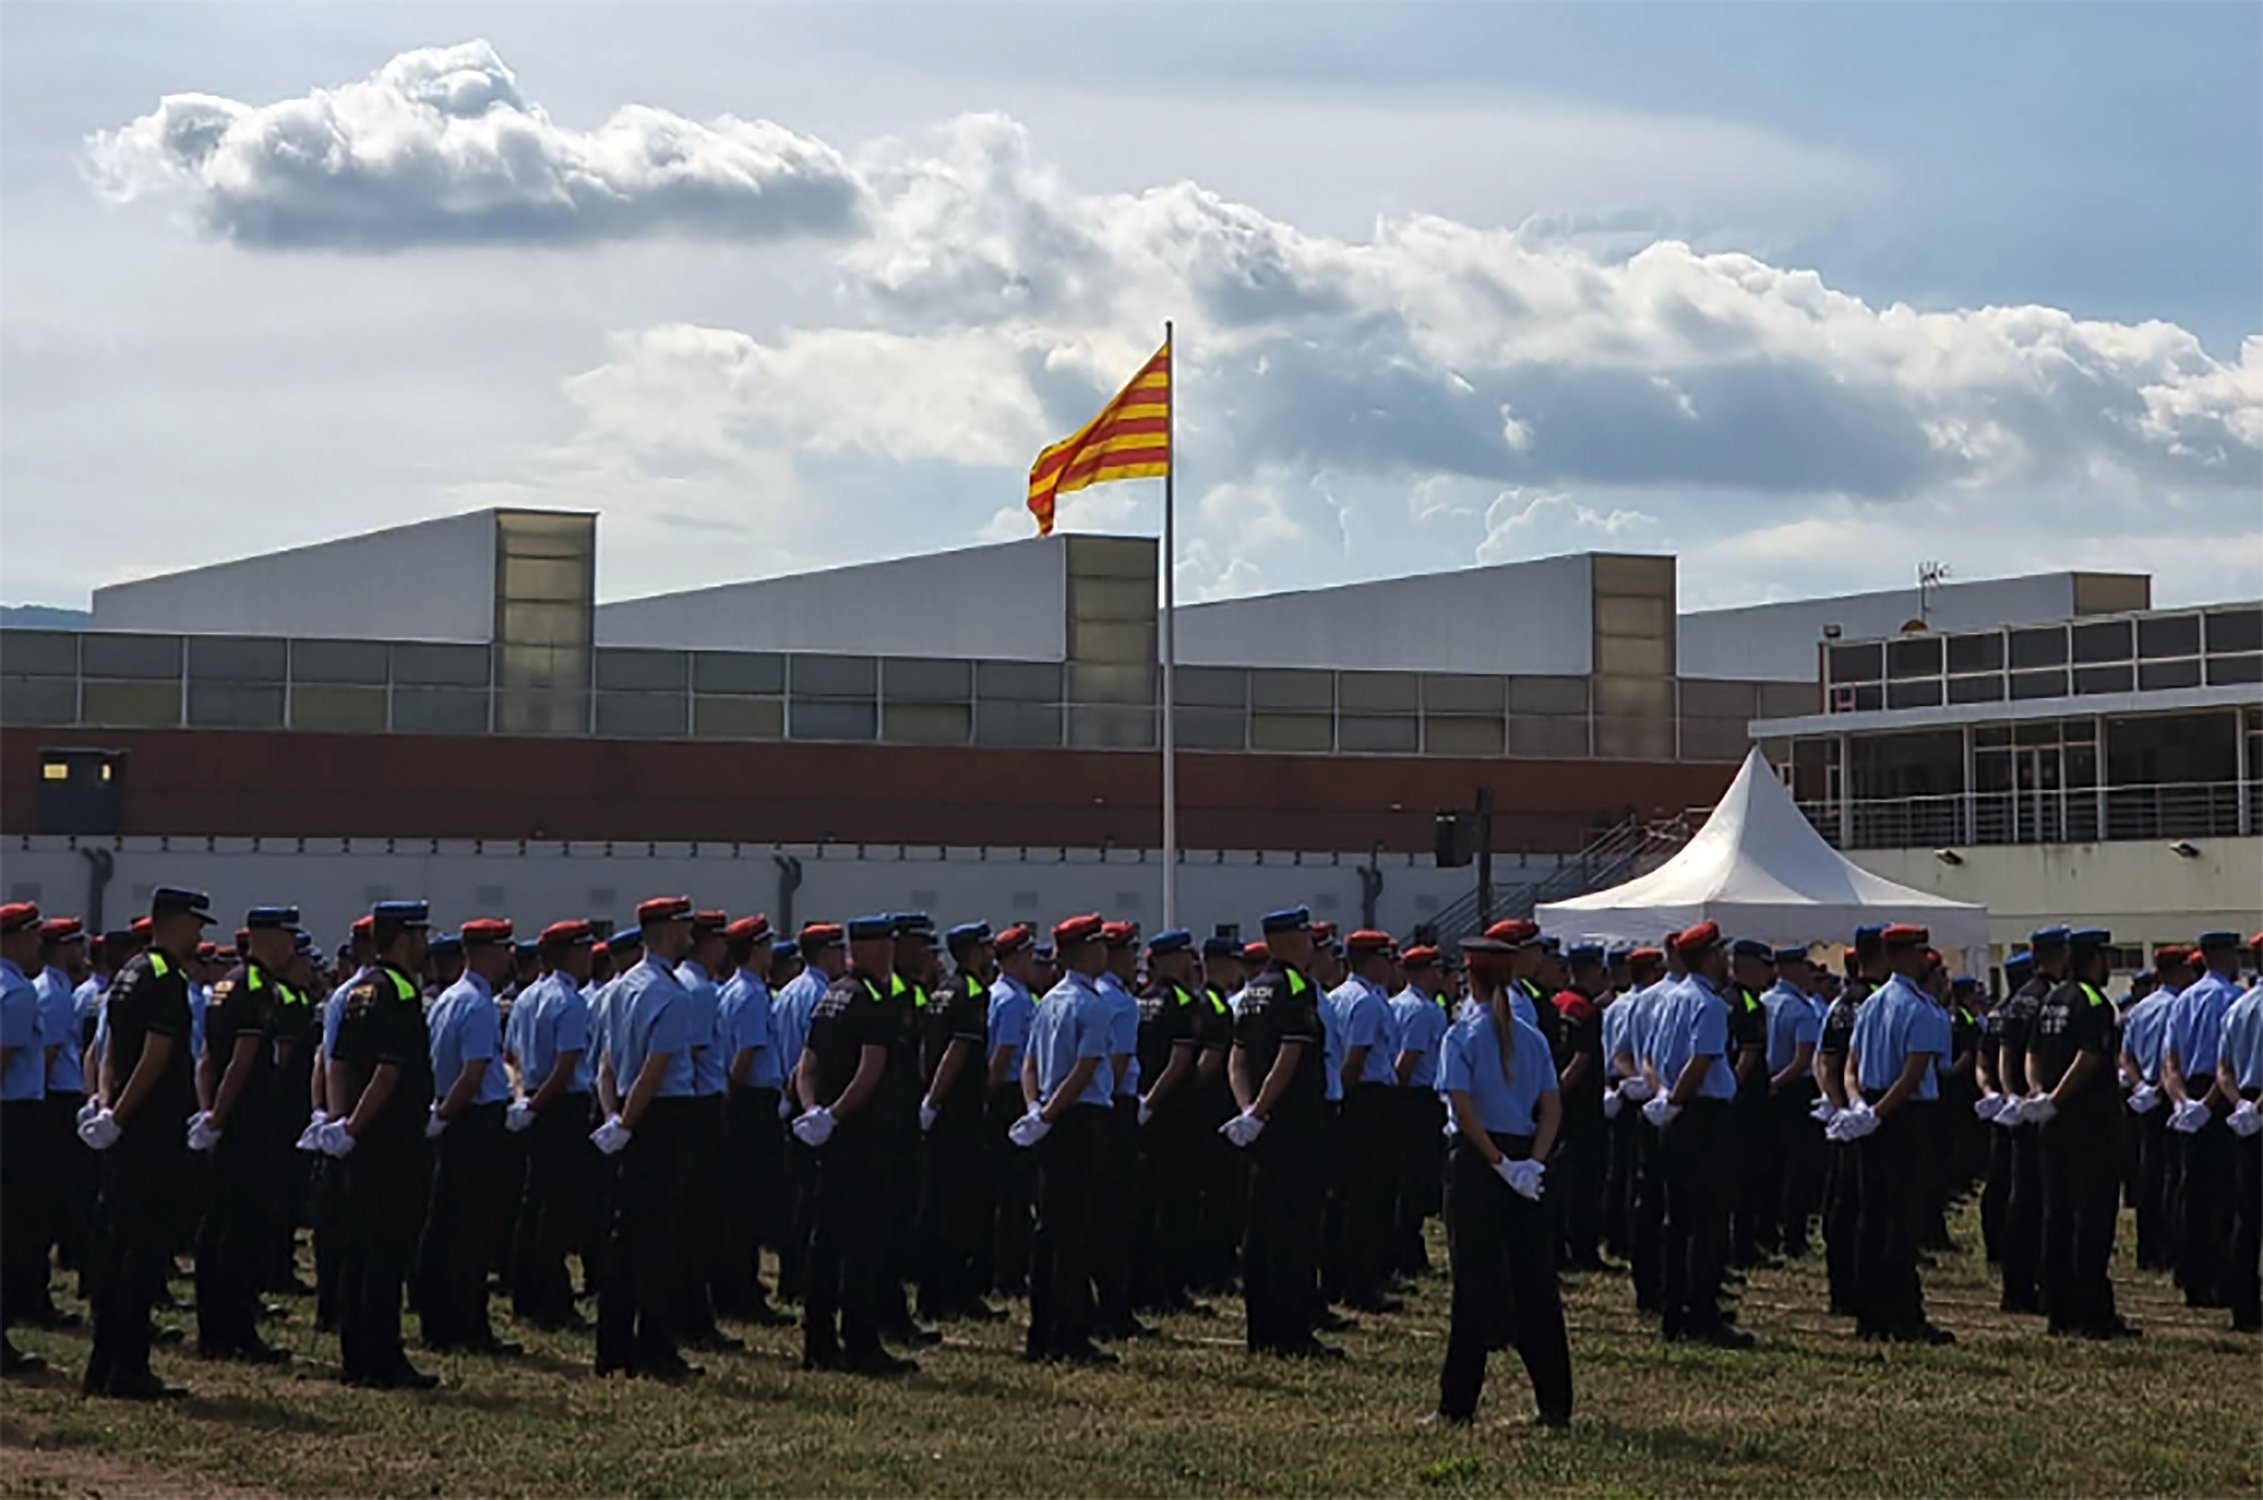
[(150, 997), (382, 1021), (1838, 1029), (1579, 1029), (243, 1004), (959, 1012), (2071, 1019), (1167, 1020), (853, 1014), (1282, 1005), (1748, 1032)]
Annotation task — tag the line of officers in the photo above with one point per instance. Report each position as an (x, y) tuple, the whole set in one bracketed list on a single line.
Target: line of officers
[(1188, 1115)]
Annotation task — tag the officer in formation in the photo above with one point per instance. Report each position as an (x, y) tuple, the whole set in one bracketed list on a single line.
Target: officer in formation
[(1114, 1124)]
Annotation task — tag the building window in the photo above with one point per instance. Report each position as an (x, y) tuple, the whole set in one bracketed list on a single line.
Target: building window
[(2038, 648), (1976, 653)]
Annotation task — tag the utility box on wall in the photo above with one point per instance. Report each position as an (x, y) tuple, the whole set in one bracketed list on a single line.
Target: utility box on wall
[(81, 791)]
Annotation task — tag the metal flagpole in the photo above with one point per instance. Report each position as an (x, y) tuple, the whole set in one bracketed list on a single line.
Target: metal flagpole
[(1168, 642)]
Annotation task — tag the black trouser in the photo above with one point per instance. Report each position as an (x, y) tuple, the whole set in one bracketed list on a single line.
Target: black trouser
[(1329, 1287), (1695, 1153), (1621, 1135), (1162, 1253), (329, 1240), (699, 1237), (1798, 1146), (2081, 1200), (1422, 1172), (26, 1198), (1224, 1190), (1892, 1180), (798, 1221), (2156, 1238), (1072, 1217), (1842, 1225), (900, 1239), (1649, 1223), (1936, 1154), (71, 1183), (1504, 1286), (845, 1281), (231, 1251), (458, 1247), (1995, 1191), (748, 1182), (955, 1216), (141, 1214), (2203, 1216), (385, 1185), (561, 1171), (638, 1299), (2022, 1244), (1365, 1142), (1577, 1185), (2243, 1285), (1757, 1177), (1117, 1208), (1013, 1186), (1288, 1190)]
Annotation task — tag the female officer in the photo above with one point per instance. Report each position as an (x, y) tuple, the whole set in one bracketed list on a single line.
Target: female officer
[(1500, 1079)]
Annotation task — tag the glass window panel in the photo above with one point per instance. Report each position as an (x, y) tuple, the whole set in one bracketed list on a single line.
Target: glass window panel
[(623, 669), (1108, 728), (111, 654), (1304, 732), (738, 672), (39, 653), (738, 718), (342, 710), (1008, 723), (1093, 682), (1924, 693), (2168, 635), (1211, 728), (1864, 661), (360, 662), (809, 719), (1984, 689), (2117, 679), (439, 710), (1210, 687), (1379, 692), (2153, 676), (926, 723), (1292, 688), (2226, 669), (2078, 731), (2235, 630), (642, 714), (38, 700), (429, 664), (130, 703), (1018, 681), (832, 677), (1992, 734), (2037, 732), (2039, 648), (1869, 696), (1476, 736), (229, 705), (1548, 695), (1916, 656), (2039, 684), (2081, 763), (1397, 734), (539, 710), (2104, 641), (1976, 653), (912, 680), (1455, 693)]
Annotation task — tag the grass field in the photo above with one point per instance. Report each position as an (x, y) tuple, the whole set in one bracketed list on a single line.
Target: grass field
[(2008, 1411)]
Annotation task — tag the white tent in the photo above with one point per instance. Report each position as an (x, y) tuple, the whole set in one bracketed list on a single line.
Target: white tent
[(1759, 869)]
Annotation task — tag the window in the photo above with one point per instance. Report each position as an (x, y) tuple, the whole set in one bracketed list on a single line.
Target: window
[(2168, 635), (1988, 688), (1914, 656), (2103, 679), (1976, 653), (2152, 676), (627, 669), (1925, 693), (832, 677), (2038, 648), (2103, 641), (353, 663), (103, 654), (744, 672), (2223, 669), (2228, 630), (1863, 662), (435, 665), (2039, 684), (811, 720)]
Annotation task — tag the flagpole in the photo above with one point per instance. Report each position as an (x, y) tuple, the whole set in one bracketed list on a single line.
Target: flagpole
[(1169, 643)]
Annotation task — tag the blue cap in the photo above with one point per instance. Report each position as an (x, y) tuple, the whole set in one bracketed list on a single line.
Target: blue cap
[(1620, 954), (1870, 936), (1793, 955), (622, 941), (1752, 948), (526, 948), (402, 914), (2089, 939), (2021, 960), (2216, 941), (448, 945), (2142, 976), (1964, 982), (260, 918), (1221, 947), (2049, 937), (169, 900), (303, 941), (119, 937), (1585, 953), (1044, 951), (1287, 919), (864, 929), (1551, 944), (785, 948), (968, 933), (1177, 940), (912, 923)]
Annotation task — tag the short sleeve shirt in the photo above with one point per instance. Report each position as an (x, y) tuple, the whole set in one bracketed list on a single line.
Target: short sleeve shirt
[(2075, 1018), (1579, 1032), (243, 1004), (59, 1031), (1011, 1012), (852, 1015), (649, 1014), (1363, 1014), (466, 1027), (1505, 1105), (150, 998), (960, 1012), (384, 1024), (21, 1031), (702, 1008), (1123, 1031), (1423, 1024), (1166, 1023), (1791, 1022), (744, 1021), (2243, 1041), (1074, 1022), (556, 1022), (1281, 1006)]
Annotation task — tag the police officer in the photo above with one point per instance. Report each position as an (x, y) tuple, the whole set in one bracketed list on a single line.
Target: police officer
[(1899, 1038), (24, 1192), (1170, 1121), (1626, 1027), (752, 1176), (2144, 1030), (910, 990), (1690, 1053), (955, 1214), (1578, 1167), (2239, 1075), (1501, 1077), (700, 1244), (1220, 1199), (2022, 1263), (824, 951), (1013, 1010), (1362, 1007), (148, 1092), (554, 1104), (1069, 1119), (2076, 1107), (67, 1166), (466, 1130), (238, 1125), (1277, 1067), (1757, 1178), (2199, 1107), (1792, 1141), (1421, 1024), (1995, 1190), (854, 1043)]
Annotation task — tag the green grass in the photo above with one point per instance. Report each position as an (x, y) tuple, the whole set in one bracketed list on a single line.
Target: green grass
[(2009, 1411)]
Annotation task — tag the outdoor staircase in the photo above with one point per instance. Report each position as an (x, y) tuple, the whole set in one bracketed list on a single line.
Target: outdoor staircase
[(1628, 848)]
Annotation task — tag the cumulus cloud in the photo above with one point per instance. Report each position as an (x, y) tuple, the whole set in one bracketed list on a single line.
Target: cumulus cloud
[(439, 147)]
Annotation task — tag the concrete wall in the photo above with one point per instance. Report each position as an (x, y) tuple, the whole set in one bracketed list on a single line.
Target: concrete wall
[(1525, 617), (1777, 642), (550, 881), (1006, 601), (2138, 891), (431, 581)]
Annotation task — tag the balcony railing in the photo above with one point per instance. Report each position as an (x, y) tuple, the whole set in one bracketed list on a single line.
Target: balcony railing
[(2057, 815)]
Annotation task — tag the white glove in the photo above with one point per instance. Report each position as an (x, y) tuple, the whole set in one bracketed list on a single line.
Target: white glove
[(2038, 1109), (928, 1115), (1242, 1129), (334, 1140), (2144, 1099), (814, 1127), (202, 1134), (90, 1109), (1853, 1123), (2188, 1117), (1146, 1111), (1824, 1112), (1660, 1111), (611, 1136), (1636, 1089), (2011, 1112), (1029, 1129), (2245, 1120), (433, 1124), (1612, 1104), (1987, 1106), (103, 1131), (1523, 1177), (310, 1139), (518, 1117), (785, 1106)]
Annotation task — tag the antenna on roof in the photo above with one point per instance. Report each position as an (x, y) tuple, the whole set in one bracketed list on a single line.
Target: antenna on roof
[(1929, 577)]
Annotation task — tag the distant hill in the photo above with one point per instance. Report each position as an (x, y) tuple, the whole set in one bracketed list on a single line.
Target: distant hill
[(42, 617)]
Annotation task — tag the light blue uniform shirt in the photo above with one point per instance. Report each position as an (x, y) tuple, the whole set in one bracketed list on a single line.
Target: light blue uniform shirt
[(708, 1062), (789, 1015), (1123, 1031), (2196, 1020), (743, 1018), (466, 1024), (1647, 1011), (601, 1016), (2243, 1040), (200, 996), (1791, 1021), (1331, 1048), (2145, 1030), (1695, 1023), (1364, 1015), (334, 1011), (1422, 1028), (26, 1074), (1615, 1017), (59, 1029), (651, 1013), (1074, 1022), (1894, 1023), (1505, 1106), (88, 998), (551, 1017), (1011, 1012)]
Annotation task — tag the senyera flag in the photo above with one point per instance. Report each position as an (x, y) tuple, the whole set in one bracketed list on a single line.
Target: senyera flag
[(1130, 439)]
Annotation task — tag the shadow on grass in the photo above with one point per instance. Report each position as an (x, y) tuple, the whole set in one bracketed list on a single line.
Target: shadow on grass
[(256, 1413), (1678, 1445)]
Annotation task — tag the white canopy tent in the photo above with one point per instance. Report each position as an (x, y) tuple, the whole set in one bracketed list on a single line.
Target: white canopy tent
[(1759, 869)]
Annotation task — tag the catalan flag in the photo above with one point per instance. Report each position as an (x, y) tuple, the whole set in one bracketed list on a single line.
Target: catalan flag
[(1130, 439)]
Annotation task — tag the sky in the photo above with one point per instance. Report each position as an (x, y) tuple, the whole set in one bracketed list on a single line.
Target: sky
[(1807, 295)]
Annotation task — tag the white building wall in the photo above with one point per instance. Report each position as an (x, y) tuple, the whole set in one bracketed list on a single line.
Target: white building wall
[(1532, 618), (1779, 642), (1008, 601), (431, 581)]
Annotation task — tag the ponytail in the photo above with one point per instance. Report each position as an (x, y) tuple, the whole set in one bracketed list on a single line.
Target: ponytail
[(1505, 1034)]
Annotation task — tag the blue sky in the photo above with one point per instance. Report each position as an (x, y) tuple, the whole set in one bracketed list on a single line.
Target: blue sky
[(1457, 283)]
